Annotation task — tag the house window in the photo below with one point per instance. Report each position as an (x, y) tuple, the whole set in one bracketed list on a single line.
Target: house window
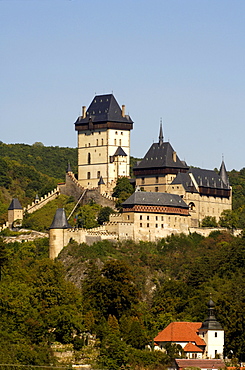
[(98, 174), (88, 175)]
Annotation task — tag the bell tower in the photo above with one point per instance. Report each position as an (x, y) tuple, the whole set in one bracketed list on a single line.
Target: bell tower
[(103, 142)]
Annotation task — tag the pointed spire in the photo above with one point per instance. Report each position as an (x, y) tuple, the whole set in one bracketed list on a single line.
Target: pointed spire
[(101, 181), (160, 134), (210, 323), (223, 173), (68, 167)]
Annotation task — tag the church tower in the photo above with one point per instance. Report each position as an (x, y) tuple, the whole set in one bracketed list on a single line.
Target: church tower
[(213, 334), (103, 142)]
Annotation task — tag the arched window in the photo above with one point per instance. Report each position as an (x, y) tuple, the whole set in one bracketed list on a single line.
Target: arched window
[(192, 206), (89, 158), (102, 142), (98, 174), (88, 175)]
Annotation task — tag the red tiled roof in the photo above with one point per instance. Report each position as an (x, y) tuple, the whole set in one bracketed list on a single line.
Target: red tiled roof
[(181, 332), (203, 364), (190, 347)]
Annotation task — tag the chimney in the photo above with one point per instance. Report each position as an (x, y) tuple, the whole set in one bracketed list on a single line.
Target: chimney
[(123, 110), (84, 111), (174, 157)]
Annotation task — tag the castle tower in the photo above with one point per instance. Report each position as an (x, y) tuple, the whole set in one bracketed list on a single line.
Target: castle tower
[(212, 333), (103, 142), (58, 237), (15, 212)]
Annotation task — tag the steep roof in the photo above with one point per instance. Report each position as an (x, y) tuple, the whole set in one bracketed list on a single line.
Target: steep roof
[(15, 204), (161, 155), (202, 364), (154, 199), (181, 332), (203, 178), (190, 347), (60, 220), (104, 108), (120, 152), (223, 174)]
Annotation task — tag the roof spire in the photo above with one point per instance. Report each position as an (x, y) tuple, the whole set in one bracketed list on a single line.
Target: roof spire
[(160, 133), (223, 173)]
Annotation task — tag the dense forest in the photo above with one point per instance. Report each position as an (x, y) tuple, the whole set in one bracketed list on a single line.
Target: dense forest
[(121, 294), (106, 302)]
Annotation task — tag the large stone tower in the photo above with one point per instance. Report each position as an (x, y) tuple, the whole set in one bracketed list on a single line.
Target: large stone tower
[(103, 142)]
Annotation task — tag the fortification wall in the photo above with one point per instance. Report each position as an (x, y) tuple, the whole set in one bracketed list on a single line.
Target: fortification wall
[(44, 200)]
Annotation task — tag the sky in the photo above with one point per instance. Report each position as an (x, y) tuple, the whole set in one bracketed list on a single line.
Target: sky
[(179, 61)]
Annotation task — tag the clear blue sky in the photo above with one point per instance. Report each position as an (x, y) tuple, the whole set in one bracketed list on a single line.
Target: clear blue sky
[(182, 60)]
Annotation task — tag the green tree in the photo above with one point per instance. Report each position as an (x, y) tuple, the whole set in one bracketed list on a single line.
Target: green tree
[(209, 221), (228, 219), (104, 214), (122, 190)]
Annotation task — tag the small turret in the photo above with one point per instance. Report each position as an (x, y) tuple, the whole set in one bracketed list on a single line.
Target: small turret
[(58, 238), (68, 167), (223, 174)]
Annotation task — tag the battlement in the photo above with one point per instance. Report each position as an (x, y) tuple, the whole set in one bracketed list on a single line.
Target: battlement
[(42, 201)]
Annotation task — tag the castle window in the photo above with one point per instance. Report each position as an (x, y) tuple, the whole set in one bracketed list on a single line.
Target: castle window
[(148, 225), (215, 334), (162, 226), (142, 180), (156, 218), (148, 217), (116, 132), (140, 217), (128, 217), (156, 225), (115, 141), (121, 133), (88, 144), (89, 158), (98, 174), (88, 175), (141, 224), (156, 179), (120, 142), (97, 142), (156, 189), (102, 142)]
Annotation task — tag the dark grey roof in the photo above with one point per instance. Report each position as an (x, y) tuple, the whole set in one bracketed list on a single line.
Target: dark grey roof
[(223, 174), (155, 199), (101, 181), (15, 204), (210, 323), (119, 152), (68, 167), (203, 178), (160, 156), (60, 220), (104, 108)]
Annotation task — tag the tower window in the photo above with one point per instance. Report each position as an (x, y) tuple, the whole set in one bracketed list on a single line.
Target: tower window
[(215, 334), (142, 180), (98, 174), (120, 142), (102, 142), (88, 175), (89, 158), (156, 189), (115, 141), (156, 179), (97, 142)]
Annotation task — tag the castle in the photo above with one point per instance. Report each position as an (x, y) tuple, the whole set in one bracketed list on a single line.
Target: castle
[(170, 197)]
